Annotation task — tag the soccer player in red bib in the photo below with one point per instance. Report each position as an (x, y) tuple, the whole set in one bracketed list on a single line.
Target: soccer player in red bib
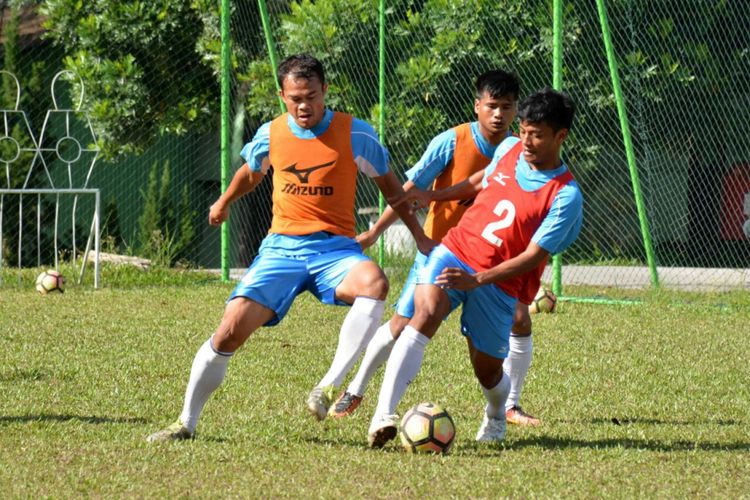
[(316, 155), (526, 206), (451, 157)]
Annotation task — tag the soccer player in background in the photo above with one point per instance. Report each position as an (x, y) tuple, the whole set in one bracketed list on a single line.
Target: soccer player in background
[(526, 206), (450, 158), (316, 155)]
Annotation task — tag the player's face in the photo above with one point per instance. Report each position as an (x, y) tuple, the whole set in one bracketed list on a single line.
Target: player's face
[(495, 115), (541, 144), (304, 99)]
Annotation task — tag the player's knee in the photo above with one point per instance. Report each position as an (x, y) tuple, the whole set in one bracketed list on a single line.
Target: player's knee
[(487, 369), (489, 377), (366, 279), (374, 284), (521, 326), (521, 321), (427, 312), (381, 287), (241, 317), (397, 325), (227, 340), (426, 322)]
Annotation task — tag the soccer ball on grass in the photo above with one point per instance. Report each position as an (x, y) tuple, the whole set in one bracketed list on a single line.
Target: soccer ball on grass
[(545, 301), (427, 428), (50, 281)]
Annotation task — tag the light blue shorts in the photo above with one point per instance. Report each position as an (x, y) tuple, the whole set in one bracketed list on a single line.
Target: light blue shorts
[(405, 304), (275, 277), (487, 314)]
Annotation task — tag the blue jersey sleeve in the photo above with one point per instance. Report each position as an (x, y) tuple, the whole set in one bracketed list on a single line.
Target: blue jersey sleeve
[(502, 150), (256, 150), (436, 157), (563, 222), (370, 155)]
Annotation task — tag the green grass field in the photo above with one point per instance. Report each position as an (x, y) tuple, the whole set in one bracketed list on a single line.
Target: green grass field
[(641, 400)]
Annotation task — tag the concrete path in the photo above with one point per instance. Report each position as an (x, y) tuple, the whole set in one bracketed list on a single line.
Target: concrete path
[(677, 278)]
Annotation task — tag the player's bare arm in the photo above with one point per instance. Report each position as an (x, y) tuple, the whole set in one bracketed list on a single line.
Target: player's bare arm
[(393, 192), (386, 219), (453, 277), (243, 182), (468, 188)]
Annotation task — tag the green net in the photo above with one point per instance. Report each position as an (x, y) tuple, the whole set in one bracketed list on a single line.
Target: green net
[(682, 81), (682, 68), (151, 76)]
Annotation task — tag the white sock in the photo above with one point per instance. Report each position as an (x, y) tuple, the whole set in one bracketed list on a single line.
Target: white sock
[(496, 398), (356, 331), (402, 367), (517, 366), (376, 354), (209, 368)]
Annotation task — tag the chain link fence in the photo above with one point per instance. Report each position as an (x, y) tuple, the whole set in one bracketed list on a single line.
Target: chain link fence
[(683, 68), (151, 79)]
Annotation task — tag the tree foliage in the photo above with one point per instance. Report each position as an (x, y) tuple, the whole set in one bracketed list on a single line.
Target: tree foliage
[(152, 67), (146, 66)]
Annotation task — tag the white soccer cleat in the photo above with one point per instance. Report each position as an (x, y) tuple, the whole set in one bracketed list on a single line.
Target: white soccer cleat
[(382, 430), (320, 400), (492, 429)]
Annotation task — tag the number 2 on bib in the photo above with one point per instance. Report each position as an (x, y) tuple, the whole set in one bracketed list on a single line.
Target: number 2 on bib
[(507, 212)]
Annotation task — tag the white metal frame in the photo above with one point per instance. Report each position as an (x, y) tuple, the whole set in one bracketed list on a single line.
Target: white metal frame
[(93, 233), (39, 151)]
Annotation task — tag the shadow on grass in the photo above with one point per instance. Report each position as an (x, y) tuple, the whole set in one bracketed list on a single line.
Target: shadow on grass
[(657, 421), (8, 420), (634, 444), (353, 443), (207, 439), (493, 450), (19, 375), (465, 448), (69, 418)]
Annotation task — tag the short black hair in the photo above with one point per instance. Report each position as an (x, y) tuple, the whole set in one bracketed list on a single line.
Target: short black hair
[(497, 83), (301, 66), (548, 106)]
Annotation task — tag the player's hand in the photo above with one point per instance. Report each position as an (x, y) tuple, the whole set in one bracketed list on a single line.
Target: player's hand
[(366, 239), (218, 213), (454, 277), (425, 245), (415, 199)]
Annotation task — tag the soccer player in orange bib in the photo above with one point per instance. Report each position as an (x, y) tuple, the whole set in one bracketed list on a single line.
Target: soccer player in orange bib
[(526, 206), (316, 155)]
